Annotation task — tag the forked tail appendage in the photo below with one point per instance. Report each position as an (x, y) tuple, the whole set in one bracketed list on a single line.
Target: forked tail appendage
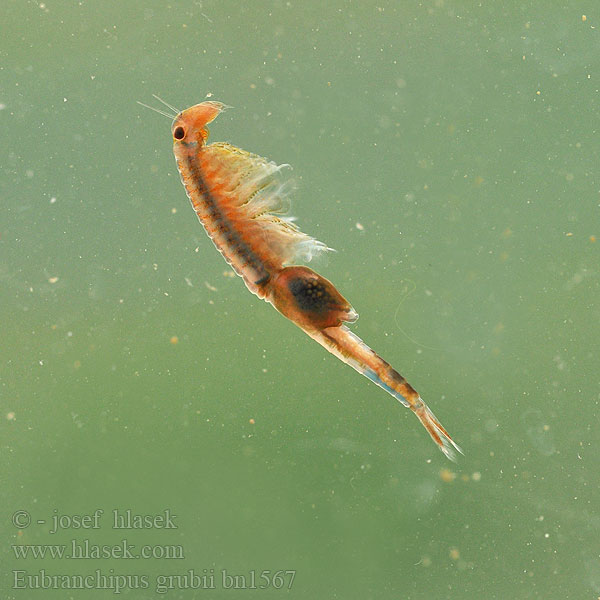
[(436, 430), (349, 348)]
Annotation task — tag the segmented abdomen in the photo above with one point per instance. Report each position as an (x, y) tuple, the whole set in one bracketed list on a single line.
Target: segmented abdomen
[(237, 196), (221, 229)]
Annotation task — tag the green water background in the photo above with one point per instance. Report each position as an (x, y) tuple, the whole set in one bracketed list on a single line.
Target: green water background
[(449, 152)]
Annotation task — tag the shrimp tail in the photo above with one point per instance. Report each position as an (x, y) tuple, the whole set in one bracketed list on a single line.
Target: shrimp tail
[(437, 432), (350, 349)]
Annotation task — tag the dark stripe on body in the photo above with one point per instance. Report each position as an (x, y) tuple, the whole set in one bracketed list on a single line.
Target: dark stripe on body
[(223, 226)]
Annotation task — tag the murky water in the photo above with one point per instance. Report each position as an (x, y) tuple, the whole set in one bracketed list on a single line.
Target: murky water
[(449, 153)]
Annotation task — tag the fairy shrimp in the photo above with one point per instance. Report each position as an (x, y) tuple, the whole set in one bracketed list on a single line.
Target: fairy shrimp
[(240, 199)]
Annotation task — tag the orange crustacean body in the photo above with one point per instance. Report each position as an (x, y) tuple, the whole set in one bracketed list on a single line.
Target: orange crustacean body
[(240, 199)]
